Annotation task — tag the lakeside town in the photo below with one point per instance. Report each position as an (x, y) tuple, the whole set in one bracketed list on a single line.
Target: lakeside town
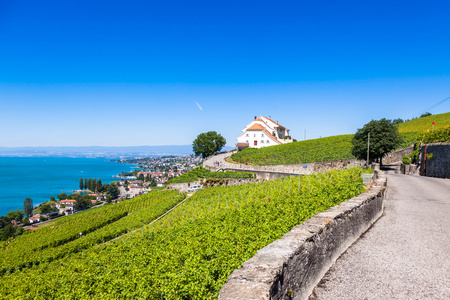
[(152, 173)]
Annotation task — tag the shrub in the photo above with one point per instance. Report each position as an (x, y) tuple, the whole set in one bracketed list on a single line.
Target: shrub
[(437, 136), (406, 160)]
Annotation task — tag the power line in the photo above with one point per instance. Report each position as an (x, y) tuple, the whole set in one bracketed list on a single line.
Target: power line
[(432, 106)]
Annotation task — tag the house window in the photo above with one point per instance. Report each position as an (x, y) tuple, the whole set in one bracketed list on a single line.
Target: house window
[(262, 141), (267, 141), (246, 141), (246, 135), (262, 134), (254, 135), (255, 143)]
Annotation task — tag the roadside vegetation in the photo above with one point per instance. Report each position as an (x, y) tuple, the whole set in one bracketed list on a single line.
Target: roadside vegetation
[(437, 136), (190, 253), (200, 172)]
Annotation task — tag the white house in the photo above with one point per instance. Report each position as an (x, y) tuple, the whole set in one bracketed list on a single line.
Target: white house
[(66, 206), (263, 132)]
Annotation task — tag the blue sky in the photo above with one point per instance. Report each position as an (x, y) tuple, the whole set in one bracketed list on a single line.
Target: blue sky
[(122, 73)]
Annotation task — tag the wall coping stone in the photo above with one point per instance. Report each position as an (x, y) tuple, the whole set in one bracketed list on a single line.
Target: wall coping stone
[(290, 267)]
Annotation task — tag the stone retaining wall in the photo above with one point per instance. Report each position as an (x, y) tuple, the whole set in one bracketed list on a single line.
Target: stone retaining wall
[(183, 187), (302, 169), (227, 181), (291, 267), (435, 160), (396, 156)]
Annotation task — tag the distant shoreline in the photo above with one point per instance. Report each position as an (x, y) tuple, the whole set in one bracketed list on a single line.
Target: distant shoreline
[(40, 178)]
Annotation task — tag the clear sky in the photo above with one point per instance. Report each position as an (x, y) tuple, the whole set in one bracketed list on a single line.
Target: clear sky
[(123, 73)]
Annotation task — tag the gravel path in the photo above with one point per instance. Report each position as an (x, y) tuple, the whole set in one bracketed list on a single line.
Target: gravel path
[(406, 254)]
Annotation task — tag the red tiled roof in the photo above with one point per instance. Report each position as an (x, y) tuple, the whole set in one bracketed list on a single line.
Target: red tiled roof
[(272, 121), (70, 201), (257, 126)]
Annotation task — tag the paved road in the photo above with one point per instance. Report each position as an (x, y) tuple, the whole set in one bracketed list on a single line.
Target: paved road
[(216, 160), (406, 254)]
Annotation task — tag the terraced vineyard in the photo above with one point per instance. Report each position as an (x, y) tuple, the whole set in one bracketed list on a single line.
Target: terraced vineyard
[(96, 226), (189, 253), (332, 148), (425, 124), (200, 172), (324, 149), (412, 131)]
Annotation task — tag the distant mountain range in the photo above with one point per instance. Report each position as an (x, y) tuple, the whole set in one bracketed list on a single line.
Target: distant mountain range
[(99, 151)]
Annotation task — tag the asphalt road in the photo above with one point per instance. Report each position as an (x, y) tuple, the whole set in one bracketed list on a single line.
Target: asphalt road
[(215, 160), (406, 254)]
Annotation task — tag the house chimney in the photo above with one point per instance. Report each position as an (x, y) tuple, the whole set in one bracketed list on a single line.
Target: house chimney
[(270, 117), (255, 117)]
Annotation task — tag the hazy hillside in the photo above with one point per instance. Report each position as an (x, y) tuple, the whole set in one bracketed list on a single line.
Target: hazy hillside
[(98, 151)]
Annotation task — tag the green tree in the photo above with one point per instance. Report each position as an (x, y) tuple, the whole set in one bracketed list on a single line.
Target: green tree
[(208, 143), (384, 138), (10, 231), (15, 215), (4, 221), (81, 184), (426, 114), (46, 208), (113, 191), (27, 207), (80, 203), (98, 186), (397, 121), (62, 196), (85, 183)]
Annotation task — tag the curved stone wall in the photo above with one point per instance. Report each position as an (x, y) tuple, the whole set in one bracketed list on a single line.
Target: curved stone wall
[(291, 267)]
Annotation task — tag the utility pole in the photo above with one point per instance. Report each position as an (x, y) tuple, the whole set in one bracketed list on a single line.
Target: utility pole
[(320, 148), (368, 143)]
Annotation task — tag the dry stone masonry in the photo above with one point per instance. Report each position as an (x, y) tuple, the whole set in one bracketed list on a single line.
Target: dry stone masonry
[(291, 267)]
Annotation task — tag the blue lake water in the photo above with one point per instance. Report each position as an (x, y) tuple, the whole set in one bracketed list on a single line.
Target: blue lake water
[(39, 178)]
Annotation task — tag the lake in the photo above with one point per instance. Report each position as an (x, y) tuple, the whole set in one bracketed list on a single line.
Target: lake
[(39, 178)]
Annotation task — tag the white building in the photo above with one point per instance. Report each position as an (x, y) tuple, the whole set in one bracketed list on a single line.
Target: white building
[(263, 132)]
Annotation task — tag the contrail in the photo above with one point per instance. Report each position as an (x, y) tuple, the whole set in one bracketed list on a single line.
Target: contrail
[(198, 105)]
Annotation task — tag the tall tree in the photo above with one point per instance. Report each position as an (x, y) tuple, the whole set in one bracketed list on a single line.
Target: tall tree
[(208, 143), (85, 183), (98, 186), (81, 184), (113, 191), (384, 138), (28, 207), (80, 203)]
